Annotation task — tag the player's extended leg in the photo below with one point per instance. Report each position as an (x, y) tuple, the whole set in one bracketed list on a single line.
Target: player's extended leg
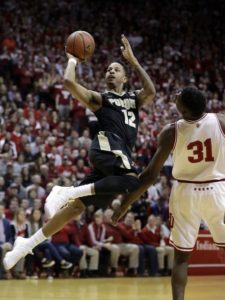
[(179, 274), (109, 185), (24, 246)]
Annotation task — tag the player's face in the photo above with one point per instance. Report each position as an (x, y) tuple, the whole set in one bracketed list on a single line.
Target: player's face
[(115, 75)]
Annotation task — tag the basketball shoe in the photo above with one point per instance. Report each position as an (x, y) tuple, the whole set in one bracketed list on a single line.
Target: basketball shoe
[(58, 197), (21, 249)]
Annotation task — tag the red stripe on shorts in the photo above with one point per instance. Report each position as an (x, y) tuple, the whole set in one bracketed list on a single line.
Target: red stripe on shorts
[(180, 248), (200, 182)]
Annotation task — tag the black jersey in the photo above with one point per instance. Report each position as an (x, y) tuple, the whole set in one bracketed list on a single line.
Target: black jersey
[(119, 115)]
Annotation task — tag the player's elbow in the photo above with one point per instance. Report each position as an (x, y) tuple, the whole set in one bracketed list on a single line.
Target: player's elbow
[(151, 95)]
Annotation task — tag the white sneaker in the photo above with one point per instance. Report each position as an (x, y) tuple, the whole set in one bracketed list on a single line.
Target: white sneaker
[(58, 197), (20, 249)]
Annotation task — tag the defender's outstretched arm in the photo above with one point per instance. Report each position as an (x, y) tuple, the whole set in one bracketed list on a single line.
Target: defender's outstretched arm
[(149, 175)]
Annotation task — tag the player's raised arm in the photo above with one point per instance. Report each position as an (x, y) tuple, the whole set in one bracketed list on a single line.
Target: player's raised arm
[(147, 93), (88, 98), (149, 175)]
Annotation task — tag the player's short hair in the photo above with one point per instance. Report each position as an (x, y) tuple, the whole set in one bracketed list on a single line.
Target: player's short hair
[(123, 65), (194, 100)]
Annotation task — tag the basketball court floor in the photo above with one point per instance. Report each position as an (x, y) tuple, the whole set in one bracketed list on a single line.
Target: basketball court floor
[(199, 288)]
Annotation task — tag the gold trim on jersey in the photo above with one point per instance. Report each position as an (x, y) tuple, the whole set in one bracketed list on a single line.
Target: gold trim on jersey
[(103, 142), (105, 146)]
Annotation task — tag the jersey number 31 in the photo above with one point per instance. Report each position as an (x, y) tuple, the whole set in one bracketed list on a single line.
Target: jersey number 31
[(129, 118), (199, 154)]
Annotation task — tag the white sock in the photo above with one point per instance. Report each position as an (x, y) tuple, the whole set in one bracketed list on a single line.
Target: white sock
[(80, 191), (37, 238)]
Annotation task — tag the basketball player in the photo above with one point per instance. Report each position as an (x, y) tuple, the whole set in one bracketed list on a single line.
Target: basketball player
[(197, 142), (110, 153)]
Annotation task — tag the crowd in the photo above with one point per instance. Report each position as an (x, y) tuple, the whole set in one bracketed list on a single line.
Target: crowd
[(45, 134)]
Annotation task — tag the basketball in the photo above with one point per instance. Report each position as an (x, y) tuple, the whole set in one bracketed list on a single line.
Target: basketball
[(80, 44)]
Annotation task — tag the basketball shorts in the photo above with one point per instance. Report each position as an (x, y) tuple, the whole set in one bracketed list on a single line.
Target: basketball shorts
[(109, 155), (189, 204)]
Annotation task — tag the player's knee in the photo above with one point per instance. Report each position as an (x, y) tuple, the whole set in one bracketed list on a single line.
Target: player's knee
[(133, 183), (76, 206), (181, 257)]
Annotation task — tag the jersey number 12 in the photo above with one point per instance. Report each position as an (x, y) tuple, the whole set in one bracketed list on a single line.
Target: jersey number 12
[(129, 118)]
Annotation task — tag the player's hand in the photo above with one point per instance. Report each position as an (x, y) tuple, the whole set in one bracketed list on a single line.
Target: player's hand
[(119, 213), (71, 56), (127, 51)]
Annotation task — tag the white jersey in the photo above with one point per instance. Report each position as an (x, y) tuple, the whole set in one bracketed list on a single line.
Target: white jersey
[(199, 150)]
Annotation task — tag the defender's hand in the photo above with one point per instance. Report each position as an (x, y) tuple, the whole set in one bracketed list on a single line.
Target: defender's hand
[(127, 51), (119, 213)]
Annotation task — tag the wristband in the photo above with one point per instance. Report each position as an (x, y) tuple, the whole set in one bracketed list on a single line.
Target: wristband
[(73, 60)]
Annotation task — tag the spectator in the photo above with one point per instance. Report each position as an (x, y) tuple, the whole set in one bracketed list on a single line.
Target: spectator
[(125, 249), (116, 203), (132, 234), (62, 242), (85, 140), (9, 177), (36, 180), (19, 227), (151, 235), (5, 239), (97, 232), (163, 188), (90, 260), (2, 188), (63, 103), (21, 191), (13, 206), (26, 177), (49, 251)]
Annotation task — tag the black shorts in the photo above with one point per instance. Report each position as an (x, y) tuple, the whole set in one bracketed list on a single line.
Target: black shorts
[(108, 156)]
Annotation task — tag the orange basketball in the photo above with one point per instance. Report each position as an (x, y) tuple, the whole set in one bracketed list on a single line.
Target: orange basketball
[(80, 44)]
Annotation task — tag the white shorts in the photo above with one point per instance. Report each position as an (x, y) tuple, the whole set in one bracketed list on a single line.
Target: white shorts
[(189, 204)]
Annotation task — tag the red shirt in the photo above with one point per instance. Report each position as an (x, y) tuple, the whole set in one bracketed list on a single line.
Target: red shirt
[(17, 138), (62, 236), (151, 238), (129, 234), (9, 214), (80, 234), (115, 233)]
